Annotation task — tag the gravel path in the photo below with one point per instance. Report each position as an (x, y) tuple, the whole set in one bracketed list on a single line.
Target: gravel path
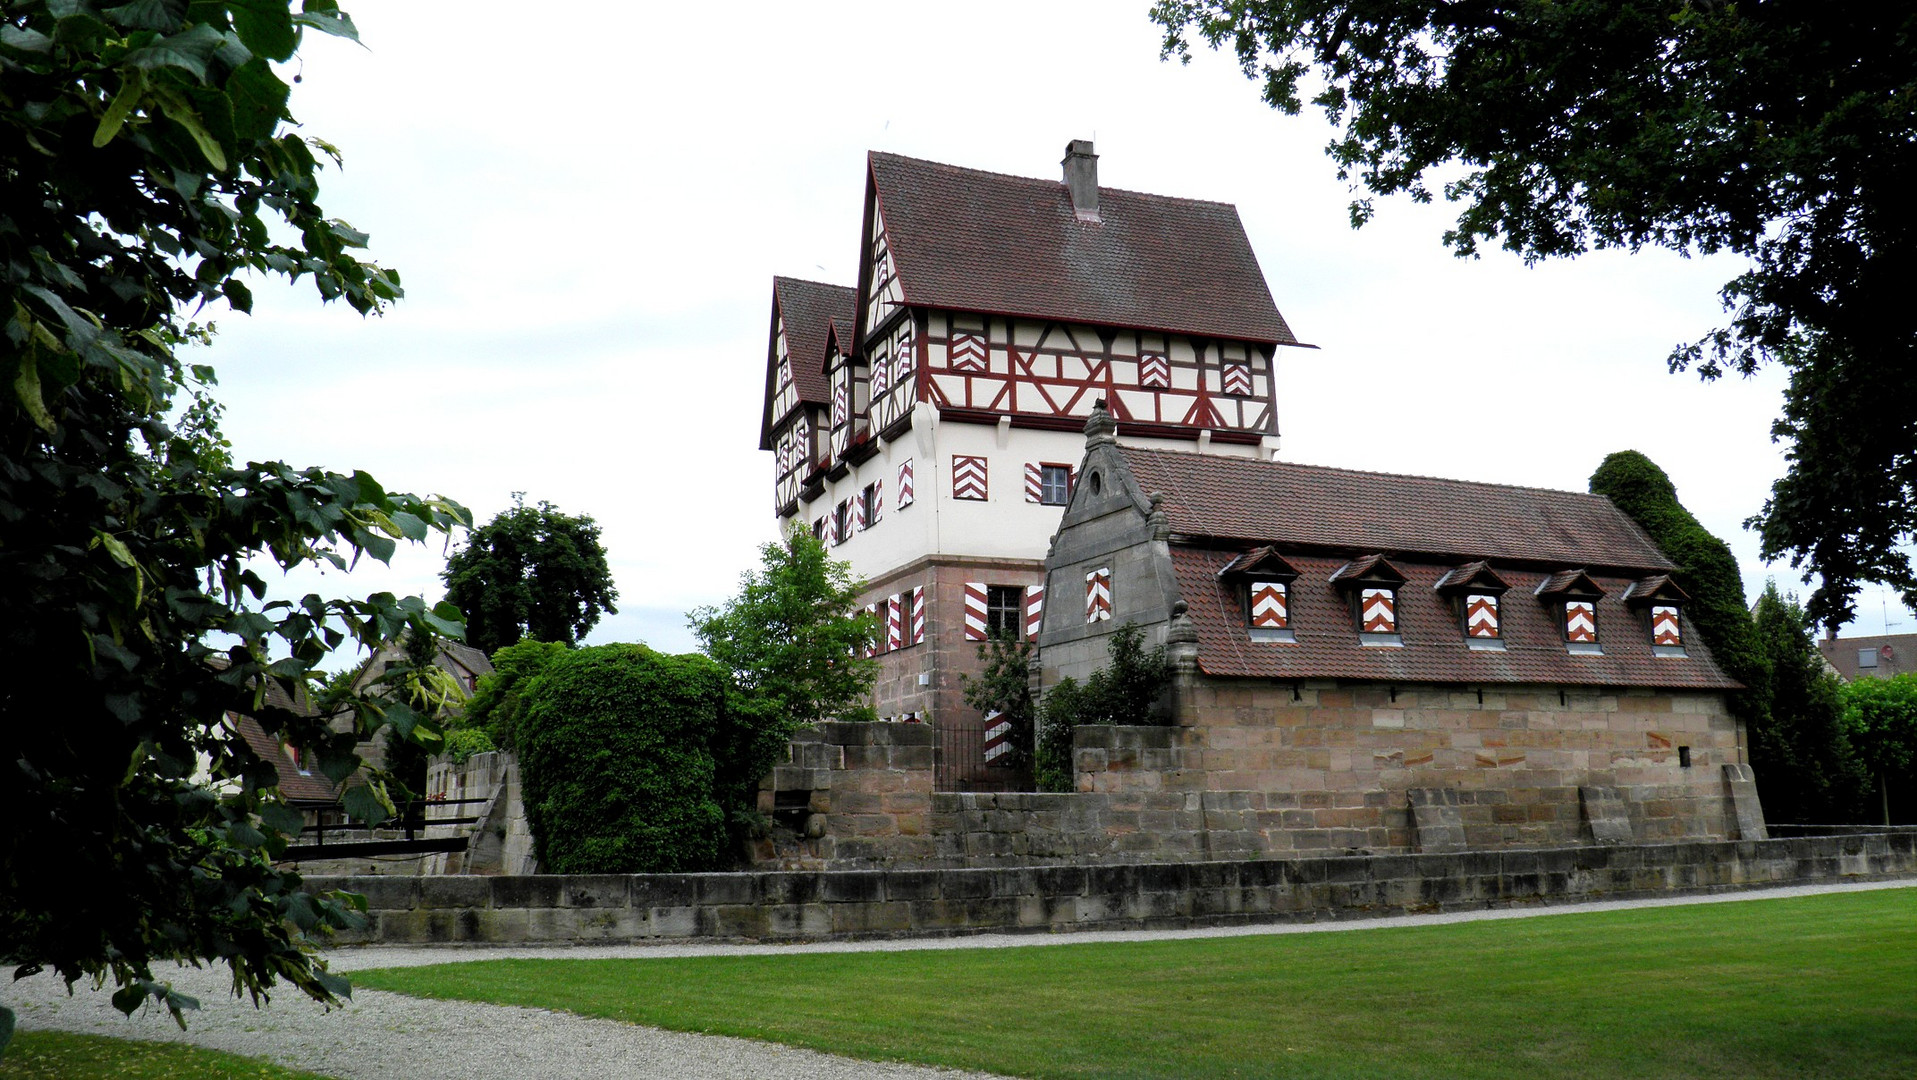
[(383, 1036)]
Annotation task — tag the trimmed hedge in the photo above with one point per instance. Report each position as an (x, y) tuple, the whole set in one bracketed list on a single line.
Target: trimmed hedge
[(615, 752)]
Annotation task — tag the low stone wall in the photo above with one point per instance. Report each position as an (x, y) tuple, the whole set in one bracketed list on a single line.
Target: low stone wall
[(793, 906)]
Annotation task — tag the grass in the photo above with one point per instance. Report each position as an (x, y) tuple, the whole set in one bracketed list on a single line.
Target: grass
[(1822, 986), (57, 1055)]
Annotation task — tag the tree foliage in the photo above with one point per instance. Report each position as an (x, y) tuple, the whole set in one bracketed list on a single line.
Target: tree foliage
[(616, 751), (531, 571), (1786, 133), (1880, 719), (144, 169), (1818, 779), (797, 653), (1130, 690), (791, 637), (1003, 689)]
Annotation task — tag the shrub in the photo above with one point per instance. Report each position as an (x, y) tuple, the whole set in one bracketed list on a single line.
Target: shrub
[(1004, 686), (463, 743), (1127, 691), (1052, 765), (615, 748), (497, 703)]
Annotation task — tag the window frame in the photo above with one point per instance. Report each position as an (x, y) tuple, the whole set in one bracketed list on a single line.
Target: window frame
[(1046, 472), (1015, 627)]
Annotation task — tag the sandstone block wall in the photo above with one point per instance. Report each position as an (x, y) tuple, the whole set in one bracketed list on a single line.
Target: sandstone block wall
[(792, 906), (1336, 761)]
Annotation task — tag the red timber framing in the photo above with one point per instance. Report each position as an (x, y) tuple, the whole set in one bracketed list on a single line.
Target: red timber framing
[(1151, 381)]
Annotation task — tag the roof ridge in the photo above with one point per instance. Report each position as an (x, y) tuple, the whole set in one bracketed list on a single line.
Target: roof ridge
[(779, 279), (1050, 183), (1365, 472)]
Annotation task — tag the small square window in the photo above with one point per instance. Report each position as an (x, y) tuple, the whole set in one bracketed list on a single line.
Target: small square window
[(1055, 484), (1003, 609), (1867, 658)]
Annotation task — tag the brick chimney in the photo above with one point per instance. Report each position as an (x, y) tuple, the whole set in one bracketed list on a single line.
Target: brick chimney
[(1081, 178)]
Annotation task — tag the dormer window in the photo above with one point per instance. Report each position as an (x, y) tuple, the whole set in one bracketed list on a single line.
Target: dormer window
[(1476, 592), (1661, 602), (1262, 580), (1372, 584), (1574, 597)]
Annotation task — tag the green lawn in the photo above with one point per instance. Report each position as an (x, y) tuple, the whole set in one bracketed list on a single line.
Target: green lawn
[(57, 1055), (1822, 986)]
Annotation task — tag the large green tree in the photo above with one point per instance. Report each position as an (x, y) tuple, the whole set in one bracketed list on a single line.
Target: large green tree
[(532, 571), (1880, 719), (796, 650), (1818, 779), (1785, 132), (146, 168)]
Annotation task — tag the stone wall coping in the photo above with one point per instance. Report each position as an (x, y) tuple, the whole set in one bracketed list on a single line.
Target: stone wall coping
[(839, 904)]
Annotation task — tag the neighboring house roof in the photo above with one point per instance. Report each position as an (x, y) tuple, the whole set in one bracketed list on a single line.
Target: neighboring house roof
[(978, 241), (1896, 654), (296, 786), (1434, 648), (808, 309), (1312, 506)]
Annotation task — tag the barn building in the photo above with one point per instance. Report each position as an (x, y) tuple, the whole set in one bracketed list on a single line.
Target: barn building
[(1397, 663)]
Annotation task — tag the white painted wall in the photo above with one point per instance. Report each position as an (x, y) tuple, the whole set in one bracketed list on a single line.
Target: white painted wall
[(1003, 526)]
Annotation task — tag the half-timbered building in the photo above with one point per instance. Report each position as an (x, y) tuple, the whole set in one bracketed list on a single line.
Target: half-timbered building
[(1381, 662), (926, 423)]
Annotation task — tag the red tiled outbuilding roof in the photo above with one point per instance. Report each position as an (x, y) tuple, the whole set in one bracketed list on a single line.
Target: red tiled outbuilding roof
[(1312, 506), (1434, 648), (979, 241)]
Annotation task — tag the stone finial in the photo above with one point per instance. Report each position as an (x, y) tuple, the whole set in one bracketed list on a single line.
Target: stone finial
[(1100, 428), (1181, 639), (1157, 519)]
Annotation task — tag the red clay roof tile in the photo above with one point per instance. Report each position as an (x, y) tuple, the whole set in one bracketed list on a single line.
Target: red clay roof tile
[(1313, 506), (1011, 245), (1434, 648)]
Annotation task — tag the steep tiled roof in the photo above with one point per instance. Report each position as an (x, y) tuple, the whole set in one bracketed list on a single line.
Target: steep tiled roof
[(1012, 245), (809, 309), (1434, 649), (1363, 512)]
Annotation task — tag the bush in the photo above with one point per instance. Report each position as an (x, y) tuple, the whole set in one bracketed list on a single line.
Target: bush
[(497, 703), (615, 749), (1004, 686), (463, 743), (1128, 691), (1052, 764)]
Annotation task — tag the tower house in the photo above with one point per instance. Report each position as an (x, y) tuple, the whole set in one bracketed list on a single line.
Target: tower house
[(990, 313)]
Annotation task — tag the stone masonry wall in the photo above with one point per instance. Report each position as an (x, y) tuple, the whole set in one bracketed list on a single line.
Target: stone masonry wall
[(1283, 784), (790, 906), (1334, 762)]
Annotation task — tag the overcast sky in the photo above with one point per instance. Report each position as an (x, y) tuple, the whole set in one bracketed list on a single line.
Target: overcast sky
[(587, 207)]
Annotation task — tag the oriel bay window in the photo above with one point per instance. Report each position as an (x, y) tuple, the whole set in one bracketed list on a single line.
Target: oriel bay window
[(1371, 584), (1261, 580), (1476, 594)]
